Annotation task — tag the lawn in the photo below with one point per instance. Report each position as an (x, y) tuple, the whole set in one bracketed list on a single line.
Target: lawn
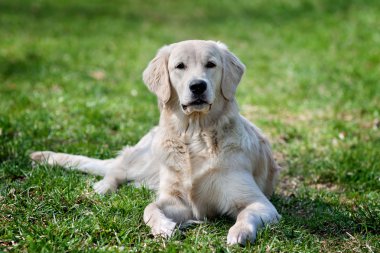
[(70, 81)]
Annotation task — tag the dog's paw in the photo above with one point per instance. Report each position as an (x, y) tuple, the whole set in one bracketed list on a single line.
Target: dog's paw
[(104, 186), (165, 228), (240, 233), (40, 157)]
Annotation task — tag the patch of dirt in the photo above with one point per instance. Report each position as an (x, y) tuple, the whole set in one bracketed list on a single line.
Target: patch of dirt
[(325, 186), (287, 185), (98, 75), (280, 160)]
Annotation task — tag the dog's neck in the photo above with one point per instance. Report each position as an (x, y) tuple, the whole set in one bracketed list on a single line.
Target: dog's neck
[(177, 122)]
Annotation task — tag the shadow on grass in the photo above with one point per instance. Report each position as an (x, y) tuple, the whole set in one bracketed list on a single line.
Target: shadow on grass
[(325, 219), (30, 65)]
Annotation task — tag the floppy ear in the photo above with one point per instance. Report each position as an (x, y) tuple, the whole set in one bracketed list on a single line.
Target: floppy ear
[(156, 75), (233, 70)]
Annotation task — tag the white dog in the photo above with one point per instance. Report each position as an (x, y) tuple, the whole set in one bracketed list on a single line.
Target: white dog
[(204, 159)]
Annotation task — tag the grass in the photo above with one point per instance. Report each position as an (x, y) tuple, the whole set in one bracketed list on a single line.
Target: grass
[(70, 81)]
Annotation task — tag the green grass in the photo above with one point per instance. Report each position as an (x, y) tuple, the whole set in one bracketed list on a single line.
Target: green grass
[(70, 81)]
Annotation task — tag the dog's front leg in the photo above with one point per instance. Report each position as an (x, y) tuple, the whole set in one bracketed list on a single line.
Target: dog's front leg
[(163, 215), (155, 218), (249, 205), (250, 219)]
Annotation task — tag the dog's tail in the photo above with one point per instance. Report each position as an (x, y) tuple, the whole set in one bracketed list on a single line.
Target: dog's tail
[(73, 162)]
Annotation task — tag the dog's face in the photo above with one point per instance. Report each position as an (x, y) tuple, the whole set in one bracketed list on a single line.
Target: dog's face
[(197, 71)]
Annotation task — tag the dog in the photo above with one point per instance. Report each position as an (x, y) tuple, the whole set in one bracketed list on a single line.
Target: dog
[(203, 159)]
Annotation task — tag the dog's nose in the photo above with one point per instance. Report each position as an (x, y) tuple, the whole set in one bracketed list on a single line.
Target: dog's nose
[(197, 87)]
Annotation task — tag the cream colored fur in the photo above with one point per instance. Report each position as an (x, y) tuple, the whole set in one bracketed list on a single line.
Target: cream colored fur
[(203, 160)]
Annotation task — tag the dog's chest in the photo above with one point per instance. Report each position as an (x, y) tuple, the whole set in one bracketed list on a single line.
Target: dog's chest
[(191, 154), (190, 161)]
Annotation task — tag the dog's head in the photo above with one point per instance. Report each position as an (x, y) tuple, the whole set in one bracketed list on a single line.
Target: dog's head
[(196, 73)]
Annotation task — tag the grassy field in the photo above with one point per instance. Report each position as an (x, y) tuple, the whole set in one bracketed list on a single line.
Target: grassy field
[(70, 81)]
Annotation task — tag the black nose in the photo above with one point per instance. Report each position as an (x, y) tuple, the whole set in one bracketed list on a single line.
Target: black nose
[(197, 87)]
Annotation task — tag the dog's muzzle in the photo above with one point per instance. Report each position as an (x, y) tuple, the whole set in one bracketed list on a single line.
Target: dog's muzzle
[(199, 100)]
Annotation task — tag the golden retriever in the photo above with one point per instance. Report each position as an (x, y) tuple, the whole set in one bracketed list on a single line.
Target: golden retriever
[(203, 159)]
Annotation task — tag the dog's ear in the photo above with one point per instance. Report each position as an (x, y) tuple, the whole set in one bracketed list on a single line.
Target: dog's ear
[(156, 75), (233, 70)]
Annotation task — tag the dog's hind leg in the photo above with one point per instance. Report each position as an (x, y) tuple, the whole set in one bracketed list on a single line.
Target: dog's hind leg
[(73, 162), (135, 163), (86, 165)]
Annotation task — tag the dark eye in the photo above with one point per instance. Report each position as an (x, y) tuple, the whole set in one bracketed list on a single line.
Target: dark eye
[(210, 65), (180, 66)]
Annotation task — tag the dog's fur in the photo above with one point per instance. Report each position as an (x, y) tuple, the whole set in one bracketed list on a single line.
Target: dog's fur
[(204, 159)]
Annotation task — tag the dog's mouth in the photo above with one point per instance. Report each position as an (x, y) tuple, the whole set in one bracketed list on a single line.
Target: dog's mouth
[(198, 105)]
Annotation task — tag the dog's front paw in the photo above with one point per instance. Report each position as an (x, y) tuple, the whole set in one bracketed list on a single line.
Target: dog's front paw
[(164, 228), (104, 186), (240, 233)]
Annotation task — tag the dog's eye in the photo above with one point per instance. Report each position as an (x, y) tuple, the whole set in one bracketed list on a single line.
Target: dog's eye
[(180, 66), (210, 65)]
